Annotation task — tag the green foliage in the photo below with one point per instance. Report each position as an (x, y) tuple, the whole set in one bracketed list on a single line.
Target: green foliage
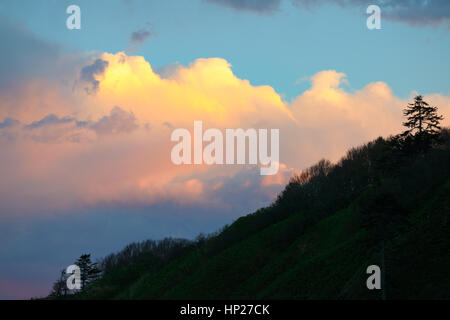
[(377, 204), (89, 270)]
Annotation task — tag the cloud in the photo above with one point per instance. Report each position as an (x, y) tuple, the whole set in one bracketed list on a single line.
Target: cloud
[(332, 119), (207, 89), (16, 62), (9, 122), (78, 150), (118, 121), (53, 128), (413, 12), (139, 37), (49, 120), (77, 166), (9, 128), (75, 150), (259, 6), (168, 71), (89, 73), (26, 65)]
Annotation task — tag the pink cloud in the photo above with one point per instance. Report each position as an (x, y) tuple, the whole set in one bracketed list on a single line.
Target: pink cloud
[(71, 149)]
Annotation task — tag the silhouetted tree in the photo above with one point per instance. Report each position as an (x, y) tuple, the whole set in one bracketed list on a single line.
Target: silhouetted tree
[(422, 123), (59, 288), (89, 270)]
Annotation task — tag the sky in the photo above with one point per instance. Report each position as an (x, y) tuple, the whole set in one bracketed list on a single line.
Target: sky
[(86, 115)]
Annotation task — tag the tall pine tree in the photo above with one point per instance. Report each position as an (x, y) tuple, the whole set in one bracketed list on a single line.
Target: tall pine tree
[(89, 271), (422, 123)]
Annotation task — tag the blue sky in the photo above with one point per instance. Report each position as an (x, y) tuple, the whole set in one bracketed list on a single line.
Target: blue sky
[(276, 48), (300, 49)]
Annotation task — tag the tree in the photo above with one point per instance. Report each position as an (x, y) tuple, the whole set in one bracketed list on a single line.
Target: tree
[(59, 288), (89, 271), (383, 216), (422, 123)]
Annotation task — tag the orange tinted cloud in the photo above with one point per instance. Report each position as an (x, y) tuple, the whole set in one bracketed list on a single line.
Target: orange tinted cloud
[(332, 119), (74, 148), (207, 90)]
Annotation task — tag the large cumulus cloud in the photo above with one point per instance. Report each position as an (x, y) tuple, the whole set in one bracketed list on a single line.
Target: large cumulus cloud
[(63, 150), (112, 146)]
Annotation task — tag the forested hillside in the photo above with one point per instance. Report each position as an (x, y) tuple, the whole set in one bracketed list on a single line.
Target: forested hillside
[(380, 204)]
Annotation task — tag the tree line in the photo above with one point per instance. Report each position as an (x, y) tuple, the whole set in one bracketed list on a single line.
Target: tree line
[(413, 158)]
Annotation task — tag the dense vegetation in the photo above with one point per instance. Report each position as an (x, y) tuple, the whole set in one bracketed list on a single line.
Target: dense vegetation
[(385, 203)]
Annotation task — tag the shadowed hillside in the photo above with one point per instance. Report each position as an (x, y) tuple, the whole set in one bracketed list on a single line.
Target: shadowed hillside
[(378, 205)]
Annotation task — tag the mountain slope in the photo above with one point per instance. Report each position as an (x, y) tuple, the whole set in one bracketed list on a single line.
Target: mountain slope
[(316, 241)]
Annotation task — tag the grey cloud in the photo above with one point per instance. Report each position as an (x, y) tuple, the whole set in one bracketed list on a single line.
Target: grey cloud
[(167, 71), (8, 123), (259, 6), (23, 54), (9, 128), (420, 13), (139, 37), (118, 121), (52, 128), (50, 119), (89, 72), (412, 12)]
